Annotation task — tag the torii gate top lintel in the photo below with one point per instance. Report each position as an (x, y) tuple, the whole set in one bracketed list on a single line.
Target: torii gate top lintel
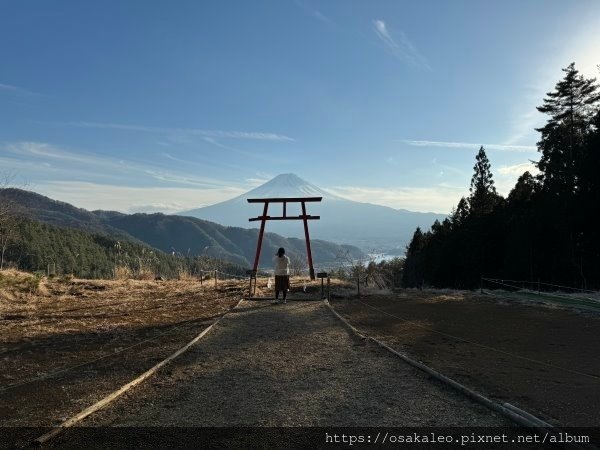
[(285, 199), (304, 217)]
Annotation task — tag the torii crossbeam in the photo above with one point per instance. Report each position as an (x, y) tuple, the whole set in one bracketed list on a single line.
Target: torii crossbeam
[(304, 217)]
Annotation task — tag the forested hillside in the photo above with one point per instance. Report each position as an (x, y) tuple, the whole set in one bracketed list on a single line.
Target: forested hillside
[(90, 255), (186, 236), (546, 229)]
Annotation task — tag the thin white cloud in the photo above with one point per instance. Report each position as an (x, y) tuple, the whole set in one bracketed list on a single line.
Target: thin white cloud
[(206, 161), (440, 198), (259, 178), (526, 121), (130, 199), (8, 87), (216, 143), (190, 180), (315, 13), (41, 150), (37, 153), (518, 169), (181, 133), (166, 207), (246, 154), (15, 89), (469, 145), (254, 182), (173, 158), (505, 177), (401, 47)]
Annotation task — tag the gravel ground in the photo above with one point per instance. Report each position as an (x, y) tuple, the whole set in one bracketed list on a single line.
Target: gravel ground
[(290, 365)]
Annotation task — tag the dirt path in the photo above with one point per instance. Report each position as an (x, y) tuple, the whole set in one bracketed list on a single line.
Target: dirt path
[(290, 365)]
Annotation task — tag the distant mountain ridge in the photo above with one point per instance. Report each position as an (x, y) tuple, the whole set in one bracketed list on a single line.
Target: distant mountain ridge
[(368, 226), (171, 233)]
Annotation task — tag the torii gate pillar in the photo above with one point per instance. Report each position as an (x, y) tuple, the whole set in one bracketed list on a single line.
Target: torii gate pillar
[(304, 217)]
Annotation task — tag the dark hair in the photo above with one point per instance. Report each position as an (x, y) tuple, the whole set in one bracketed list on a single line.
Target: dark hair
[(281, 252)]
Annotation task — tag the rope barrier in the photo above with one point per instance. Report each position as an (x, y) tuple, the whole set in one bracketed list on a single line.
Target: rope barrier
[(540, 283), (242, 277), (232, 275), (572, 298)]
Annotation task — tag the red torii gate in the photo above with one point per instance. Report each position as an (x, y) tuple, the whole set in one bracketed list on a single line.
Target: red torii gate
[(304, 217)]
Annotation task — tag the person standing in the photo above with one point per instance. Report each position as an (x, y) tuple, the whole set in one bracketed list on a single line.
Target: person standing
[(281, 264)]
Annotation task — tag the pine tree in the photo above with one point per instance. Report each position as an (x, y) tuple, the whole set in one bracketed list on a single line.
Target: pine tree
[(483, 196), (564, 162), (523, 190), (416, 243), (571, 107), (460, 214), (413, 270)]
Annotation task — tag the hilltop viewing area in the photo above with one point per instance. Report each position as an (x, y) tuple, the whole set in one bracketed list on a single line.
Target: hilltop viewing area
[(266, 364), (299, 224)]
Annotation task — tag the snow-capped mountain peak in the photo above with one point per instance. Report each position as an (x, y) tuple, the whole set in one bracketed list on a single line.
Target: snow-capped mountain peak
[(341, 220), (287, 185)]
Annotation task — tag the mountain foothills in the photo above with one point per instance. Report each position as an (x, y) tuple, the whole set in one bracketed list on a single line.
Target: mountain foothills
[(368, 226), (54, 231), (547, 227)]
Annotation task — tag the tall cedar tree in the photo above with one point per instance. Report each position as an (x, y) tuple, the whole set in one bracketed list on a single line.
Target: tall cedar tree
[(413, 273), (571, 107), (483, 192), (564, 145)]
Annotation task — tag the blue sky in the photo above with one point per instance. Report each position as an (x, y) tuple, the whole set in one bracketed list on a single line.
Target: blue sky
[(165, 106)]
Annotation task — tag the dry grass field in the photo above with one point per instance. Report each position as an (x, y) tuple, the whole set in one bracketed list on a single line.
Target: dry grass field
[(65, 343)]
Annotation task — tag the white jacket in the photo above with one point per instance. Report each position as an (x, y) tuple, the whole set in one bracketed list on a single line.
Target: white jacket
[(281, 265)]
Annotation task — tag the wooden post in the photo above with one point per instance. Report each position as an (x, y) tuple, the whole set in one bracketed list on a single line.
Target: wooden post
[(328, 288), (251, 274), (322, 276), (260, 237), (215, 278), (307, 237)]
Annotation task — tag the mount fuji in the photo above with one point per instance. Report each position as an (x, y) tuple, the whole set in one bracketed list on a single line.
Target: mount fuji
[(368, 226)]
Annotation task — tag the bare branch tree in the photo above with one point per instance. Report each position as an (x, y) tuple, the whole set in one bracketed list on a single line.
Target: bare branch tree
[(350, 267), (298, 265), (9, 218)]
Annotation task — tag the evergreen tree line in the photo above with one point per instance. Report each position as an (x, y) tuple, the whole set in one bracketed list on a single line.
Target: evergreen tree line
[(70, 251), (546, 229)]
